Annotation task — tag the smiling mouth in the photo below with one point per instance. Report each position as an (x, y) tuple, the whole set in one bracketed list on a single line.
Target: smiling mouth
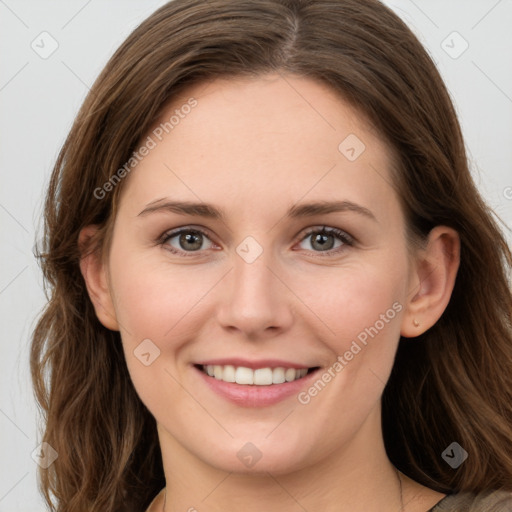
[(258, 377)]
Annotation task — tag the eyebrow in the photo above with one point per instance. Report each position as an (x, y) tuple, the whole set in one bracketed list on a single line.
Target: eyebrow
[(297, 211)]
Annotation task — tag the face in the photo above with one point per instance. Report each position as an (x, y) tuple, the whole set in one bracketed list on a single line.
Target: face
[(260, 288)]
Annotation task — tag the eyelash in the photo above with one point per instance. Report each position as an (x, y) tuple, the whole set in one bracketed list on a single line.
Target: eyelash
[(344, 237)]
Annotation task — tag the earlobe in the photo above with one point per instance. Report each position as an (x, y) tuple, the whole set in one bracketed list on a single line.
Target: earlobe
[(94, 272), (433, 281)]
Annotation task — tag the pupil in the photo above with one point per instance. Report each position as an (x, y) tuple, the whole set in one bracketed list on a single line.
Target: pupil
[(189, 238), (321, 239)]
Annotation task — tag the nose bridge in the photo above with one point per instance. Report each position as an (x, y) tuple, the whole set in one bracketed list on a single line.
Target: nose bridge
[(255, 299), (252, 274)]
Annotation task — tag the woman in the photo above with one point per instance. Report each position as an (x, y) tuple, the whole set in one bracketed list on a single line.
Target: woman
[(249, 370)]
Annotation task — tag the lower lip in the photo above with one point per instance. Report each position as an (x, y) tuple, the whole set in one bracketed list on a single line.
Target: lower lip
[(256, 396)]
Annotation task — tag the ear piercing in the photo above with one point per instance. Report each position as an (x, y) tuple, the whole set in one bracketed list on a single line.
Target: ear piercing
[(416, 323)]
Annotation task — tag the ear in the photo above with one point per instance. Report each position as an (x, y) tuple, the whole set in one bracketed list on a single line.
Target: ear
[(433, 279), (94, 271)]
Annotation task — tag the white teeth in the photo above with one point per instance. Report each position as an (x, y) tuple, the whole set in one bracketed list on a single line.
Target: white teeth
[(289, 374), (243, 375), (278, 376), (259, 377), (228, 375), (263, 377), (217, 372)]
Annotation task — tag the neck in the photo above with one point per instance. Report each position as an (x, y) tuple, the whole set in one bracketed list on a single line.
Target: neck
[(356, 477)]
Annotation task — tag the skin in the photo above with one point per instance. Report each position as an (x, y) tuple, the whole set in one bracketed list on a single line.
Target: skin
[(254, 148)]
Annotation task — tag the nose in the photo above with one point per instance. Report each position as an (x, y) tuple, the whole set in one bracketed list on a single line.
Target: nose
[(256, 298)]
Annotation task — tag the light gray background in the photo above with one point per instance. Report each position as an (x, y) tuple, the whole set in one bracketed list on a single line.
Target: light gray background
[(39, 98)]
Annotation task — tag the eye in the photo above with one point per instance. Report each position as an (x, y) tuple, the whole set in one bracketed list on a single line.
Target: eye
[(188, 240), (191, 240), (324, 240)]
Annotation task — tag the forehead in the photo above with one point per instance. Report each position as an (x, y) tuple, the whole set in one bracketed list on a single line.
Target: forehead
[(249, 143)]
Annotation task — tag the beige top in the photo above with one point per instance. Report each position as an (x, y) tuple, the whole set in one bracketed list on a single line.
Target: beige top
[(497, 501)]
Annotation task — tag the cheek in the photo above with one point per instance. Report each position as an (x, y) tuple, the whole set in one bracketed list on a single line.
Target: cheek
[(352, 301), (151, 297), (156, 306)]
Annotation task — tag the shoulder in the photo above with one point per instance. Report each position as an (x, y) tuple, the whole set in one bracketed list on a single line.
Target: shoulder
[(487, 501)]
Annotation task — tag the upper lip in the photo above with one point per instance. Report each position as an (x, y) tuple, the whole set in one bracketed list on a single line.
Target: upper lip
[(255, 364)]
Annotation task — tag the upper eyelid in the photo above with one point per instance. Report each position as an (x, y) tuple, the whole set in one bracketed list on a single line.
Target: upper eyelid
[(171, 233)]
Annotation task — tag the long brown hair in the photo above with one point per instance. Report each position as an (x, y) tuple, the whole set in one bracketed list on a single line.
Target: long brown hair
[(453, 383)]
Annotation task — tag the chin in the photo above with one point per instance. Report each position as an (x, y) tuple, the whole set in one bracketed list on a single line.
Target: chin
[(259, 457)]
